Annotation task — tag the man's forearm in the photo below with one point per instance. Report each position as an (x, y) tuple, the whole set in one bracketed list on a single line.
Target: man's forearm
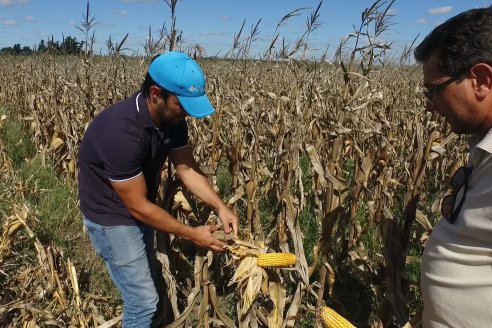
[(161, 220), (199, 185)]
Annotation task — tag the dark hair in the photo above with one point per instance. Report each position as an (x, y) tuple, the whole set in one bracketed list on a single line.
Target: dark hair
[(461, 42), (148, 82)]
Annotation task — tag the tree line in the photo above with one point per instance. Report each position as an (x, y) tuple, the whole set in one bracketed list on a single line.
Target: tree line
[(68, 46)]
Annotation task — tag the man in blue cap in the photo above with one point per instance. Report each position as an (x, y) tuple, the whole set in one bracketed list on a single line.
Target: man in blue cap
[(120, 161)]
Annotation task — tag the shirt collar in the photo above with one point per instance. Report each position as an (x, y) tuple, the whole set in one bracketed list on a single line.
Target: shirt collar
[(484, 143), (143, 111)]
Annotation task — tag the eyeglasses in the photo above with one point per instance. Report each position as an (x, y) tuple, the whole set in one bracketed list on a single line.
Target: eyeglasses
[(459, 180), (431, 92)]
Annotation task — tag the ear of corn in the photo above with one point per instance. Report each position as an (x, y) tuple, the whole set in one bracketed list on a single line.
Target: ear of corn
[(276, 260), (332, 319)]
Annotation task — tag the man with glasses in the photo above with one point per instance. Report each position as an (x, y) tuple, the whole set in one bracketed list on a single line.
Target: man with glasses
[(456, 278), (120, 163)]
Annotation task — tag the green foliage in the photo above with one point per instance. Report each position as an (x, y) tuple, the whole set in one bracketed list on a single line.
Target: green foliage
[(16, 139), (412, 277), (307, 320), (370, 238), (349, 171), (224, 180), (68, 46), (428, 198), (309, 221), (17, 49), (56, 202), (307, 174), (311, 229), (58, 217)]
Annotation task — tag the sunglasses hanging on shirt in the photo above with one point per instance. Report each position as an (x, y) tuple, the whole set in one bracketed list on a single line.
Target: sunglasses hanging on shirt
[(449, 210)]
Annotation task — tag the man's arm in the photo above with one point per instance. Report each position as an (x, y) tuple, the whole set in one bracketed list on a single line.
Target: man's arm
[(196, 181), (134, 195)]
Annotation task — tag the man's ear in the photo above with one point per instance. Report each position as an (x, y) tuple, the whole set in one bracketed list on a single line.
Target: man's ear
[(482, 74), (155, 93)]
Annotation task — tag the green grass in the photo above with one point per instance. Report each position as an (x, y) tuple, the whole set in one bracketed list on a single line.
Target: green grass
[(308, 219), (307, 174), (59, 221), (18, 149), (16, 139), (224, 181), (56, 202), (307, 319), (311, 228)]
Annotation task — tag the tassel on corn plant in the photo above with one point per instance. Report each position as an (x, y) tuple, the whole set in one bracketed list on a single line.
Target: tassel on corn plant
[(331, 319)]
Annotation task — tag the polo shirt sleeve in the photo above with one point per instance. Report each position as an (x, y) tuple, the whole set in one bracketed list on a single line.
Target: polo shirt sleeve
[(180, 135), (121, 152)]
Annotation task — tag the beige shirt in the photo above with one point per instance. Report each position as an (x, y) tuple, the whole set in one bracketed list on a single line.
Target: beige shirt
[(456, 269)]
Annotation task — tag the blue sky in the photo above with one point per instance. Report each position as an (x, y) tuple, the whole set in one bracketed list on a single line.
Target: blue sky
[(213, 23)]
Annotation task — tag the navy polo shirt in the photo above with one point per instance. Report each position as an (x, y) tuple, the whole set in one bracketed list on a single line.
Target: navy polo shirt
[(121, 143)]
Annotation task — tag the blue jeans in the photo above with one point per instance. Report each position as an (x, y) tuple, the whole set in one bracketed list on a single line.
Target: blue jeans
[(127, 252)]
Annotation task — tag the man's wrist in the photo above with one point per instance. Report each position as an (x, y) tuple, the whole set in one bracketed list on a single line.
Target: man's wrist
[(188, 233), (221, 205)]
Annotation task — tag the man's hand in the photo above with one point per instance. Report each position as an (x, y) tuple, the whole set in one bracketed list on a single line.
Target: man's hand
[(229, 219), (196, 181), (202, 236)]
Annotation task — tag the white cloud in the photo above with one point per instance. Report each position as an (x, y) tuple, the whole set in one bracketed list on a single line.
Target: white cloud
[(422, 21), (71, 23), (107, 25), (224, 18), (121, 12), (440, 10), (12, 2), (30, 18), (10, 22), (213, 34), (393, 11)]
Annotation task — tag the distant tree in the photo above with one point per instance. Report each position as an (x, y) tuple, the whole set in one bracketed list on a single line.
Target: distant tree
[(53, 46), (7, 51), (26, 50), (71, 46), (17, 49), (41, 46)]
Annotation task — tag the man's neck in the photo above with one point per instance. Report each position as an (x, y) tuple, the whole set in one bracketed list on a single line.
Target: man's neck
[(153, 113)]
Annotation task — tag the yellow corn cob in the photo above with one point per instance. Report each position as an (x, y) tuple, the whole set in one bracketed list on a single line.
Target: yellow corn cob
[(278, 260), (331, 319)]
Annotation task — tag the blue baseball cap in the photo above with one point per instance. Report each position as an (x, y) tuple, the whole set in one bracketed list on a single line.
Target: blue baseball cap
[(179, 74)]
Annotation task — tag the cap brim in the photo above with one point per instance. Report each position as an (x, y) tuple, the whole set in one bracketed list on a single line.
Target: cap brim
[(198, 107)]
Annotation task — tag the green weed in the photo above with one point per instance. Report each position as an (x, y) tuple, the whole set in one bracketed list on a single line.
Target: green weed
[(58, 217), (17, 140), (224, 180)]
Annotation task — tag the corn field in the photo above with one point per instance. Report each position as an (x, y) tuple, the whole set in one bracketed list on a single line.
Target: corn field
[(338, 164), (346, 163)]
